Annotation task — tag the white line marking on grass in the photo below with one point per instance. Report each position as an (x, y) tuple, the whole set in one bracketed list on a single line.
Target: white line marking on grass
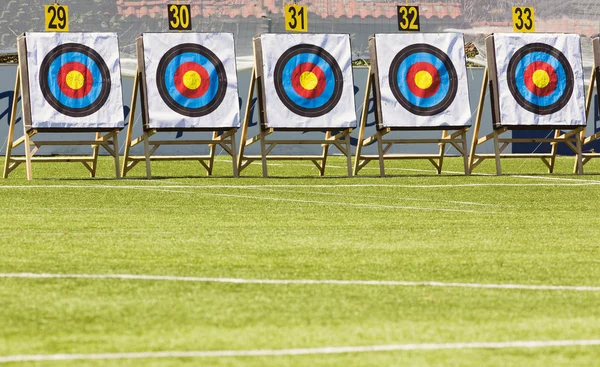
[(376, 197), (391, 283), (341, 203), (523, 344), (437, 186)]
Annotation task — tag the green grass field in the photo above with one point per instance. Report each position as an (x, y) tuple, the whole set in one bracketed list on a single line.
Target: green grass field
[(528, 228)]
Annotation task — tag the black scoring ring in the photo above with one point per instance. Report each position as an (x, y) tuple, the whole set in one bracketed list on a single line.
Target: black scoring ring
[(449, 93), (332, 75), (56, 100)]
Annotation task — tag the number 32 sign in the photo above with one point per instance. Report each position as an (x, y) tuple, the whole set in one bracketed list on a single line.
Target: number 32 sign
[(57, 18), (408, 18)]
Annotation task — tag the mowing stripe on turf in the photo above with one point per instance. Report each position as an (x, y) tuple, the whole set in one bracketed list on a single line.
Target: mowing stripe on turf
[(391, 283), (524, 344)]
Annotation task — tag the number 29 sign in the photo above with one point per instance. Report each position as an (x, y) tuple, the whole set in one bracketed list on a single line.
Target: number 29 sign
[(57, 18)]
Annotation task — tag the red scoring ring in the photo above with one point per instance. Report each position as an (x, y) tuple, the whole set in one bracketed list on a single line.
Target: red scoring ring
[(528, 75), (61, 79), (414, 88), (185, 91), (310, 67)]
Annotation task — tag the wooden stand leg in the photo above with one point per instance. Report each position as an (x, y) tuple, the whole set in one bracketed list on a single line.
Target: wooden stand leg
[(557, 133), (363, 122), (28, 154), (349, 153), (11, 125), (324, 155), (577, 156), (247, 117), (95, 151), (478, 119), (497, 153), (115, 144), (234, 160), (442, 153), (465, 147), (146, 138), (127, 151), (211, 160), (579, 146), (263, 153), (381, 153)]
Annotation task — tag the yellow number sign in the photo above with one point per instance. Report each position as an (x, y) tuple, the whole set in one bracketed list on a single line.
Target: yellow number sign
[(179, 17), (57, 18), (296, 18), (523, 19), (408, 18)]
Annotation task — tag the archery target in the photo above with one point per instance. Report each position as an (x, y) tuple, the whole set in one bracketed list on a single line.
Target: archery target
[(307, 80), (74, 80), (540, 79), (421, 85), (190, 80)]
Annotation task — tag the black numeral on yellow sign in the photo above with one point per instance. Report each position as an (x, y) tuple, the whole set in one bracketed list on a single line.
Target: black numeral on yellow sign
[(57, 18), (408, 18), (296, 18), (180, 17), (523, 19)]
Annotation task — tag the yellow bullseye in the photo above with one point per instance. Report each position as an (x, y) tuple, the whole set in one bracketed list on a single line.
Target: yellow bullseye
[(308, 80), (423, 79), (75, 80), (192, 80), (541, 79)]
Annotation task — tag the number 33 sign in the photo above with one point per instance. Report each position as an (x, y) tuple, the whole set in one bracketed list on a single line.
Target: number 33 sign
[(523, 19), (57, 18)]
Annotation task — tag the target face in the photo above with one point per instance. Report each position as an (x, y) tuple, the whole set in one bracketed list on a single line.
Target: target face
[(423, 79), (540, 78), (308, 80), (75, 80), (192, 80)]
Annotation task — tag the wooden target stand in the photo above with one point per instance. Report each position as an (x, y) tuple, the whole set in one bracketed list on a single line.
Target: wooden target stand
[(341, 138), (569, 135), (105, 138), (225, 138), (458, 138), (594, 82)]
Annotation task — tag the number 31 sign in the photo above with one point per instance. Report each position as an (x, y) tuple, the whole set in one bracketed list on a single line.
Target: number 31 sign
[(296, 18)]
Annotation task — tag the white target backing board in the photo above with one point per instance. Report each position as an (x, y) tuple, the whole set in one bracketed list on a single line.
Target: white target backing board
[(190, 80), (72, 81), (536, 80), (421, 80), (307, 80)]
